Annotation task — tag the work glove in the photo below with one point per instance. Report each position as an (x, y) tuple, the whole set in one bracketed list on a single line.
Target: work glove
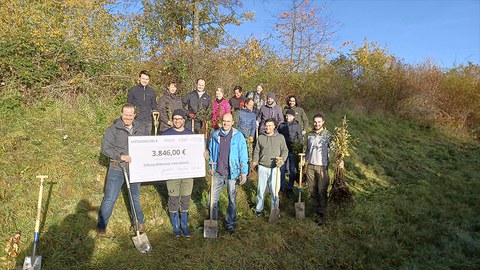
[(279, 162), (243, 179), (192, 115), (304, 132), (250, 139)]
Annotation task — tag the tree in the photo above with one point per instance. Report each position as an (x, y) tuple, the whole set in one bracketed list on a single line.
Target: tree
[(304, 35)]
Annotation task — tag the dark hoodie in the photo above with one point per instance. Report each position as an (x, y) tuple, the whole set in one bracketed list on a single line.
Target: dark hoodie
[(269, 111)]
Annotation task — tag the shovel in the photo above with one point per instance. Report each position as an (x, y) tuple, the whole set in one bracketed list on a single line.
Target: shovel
[(275, 212), (34, 261), (300, 206), (193, 125), (210, 226), (140, 240), (156, 115)]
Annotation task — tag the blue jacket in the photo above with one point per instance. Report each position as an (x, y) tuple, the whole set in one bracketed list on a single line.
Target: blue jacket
[(238, 158), (247, 122)]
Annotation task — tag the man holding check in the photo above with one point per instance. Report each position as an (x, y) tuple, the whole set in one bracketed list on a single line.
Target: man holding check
[(179, 190)]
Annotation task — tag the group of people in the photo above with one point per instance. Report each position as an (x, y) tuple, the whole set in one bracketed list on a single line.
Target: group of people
[(277, 137)]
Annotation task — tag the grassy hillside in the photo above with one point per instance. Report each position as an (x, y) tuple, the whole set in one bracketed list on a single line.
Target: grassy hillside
[(415, 204)]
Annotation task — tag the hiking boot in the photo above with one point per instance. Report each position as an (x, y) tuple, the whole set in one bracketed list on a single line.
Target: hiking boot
[(258, 214), (231, 230)]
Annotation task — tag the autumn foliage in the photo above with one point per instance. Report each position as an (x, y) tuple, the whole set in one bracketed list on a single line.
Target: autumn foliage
[(66, 48)]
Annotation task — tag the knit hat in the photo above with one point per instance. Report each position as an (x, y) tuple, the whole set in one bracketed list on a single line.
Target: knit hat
[(180, 112), (290, 111), (271, 95)]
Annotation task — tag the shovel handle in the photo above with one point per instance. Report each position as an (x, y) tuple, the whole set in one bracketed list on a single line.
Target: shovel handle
[(39, 205), (302, 163), (211, 191), (156, 115)]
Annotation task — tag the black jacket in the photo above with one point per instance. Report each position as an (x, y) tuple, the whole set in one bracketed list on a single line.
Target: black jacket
[(145, 99)]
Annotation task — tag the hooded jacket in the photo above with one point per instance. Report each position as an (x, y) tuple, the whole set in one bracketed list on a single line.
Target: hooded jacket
[(292, 132), (145, 100), (268, 148), (115, 139), (168, 103), (238, 158), (269, 111)]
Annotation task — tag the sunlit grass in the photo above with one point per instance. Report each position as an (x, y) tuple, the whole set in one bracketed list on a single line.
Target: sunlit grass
[(415, 202)]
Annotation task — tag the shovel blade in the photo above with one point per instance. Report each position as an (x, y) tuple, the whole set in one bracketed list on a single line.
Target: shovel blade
[(32, 263), (300, 210), (141, 243), (274, 215), (210, 228)]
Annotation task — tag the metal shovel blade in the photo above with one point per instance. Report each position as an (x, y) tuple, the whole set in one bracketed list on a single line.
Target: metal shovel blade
[(141, 243), (300, 210), (210, 228), (34, 263), (274, 213)]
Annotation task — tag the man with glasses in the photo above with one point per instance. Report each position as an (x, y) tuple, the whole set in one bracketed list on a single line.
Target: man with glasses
[(179, 190)]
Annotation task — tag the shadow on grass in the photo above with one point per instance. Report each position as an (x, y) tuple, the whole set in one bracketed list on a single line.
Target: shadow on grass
[(68, 244)]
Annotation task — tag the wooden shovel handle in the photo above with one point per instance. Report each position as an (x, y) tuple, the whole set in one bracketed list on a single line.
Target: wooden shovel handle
[(39, 205)]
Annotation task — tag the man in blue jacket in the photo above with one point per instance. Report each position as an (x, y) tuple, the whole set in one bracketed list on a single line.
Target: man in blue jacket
[(145, 99), (228, 150)]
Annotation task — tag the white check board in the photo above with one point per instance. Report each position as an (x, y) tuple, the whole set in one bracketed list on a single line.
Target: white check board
[(156, 158)]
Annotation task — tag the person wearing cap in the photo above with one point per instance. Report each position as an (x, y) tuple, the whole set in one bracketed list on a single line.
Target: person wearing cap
[(145, 100), (292, 132), (179, 190), (196, 101), (269, 111), (167, 103), (228, 153), (270, 145), (300, 115)]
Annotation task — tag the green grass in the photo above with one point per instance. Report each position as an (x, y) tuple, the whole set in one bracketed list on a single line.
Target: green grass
[(415, 201)]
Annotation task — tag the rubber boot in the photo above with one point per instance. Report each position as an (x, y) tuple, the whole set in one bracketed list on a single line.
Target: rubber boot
[(184, 223), (175, 223)]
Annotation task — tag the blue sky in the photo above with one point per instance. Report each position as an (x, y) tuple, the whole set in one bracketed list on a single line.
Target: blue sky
[(445, 32)]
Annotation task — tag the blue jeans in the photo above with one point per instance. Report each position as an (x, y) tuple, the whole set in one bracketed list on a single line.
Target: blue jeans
[(218, 183), (292, 164), (266, 177), (115, 179)]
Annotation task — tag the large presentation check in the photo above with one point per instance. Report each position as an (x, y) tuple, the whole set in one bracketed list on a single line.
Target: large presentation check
[(156, 158)]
